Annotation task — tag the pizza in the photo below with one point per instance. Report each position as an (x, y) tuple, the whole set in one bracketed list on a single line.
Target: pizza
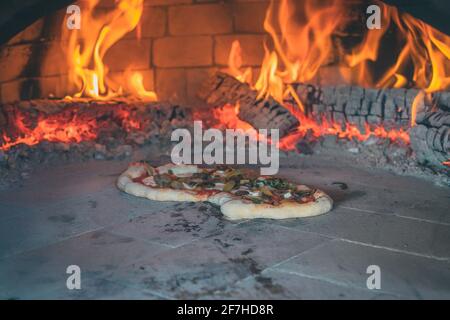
[(240, 193)]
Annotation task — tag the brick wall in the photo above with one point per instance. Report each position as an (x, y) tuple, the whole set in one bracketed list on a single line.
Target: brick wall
[(183, 41)]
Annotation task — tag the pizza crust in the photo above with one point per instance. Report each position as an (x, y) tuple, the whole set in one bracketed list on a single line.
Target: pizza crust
[(240, 209), (233, 207)]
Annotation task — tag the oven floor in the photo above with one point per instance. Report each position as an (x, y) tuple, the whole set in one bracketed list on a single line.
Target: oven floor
[(138, 249)]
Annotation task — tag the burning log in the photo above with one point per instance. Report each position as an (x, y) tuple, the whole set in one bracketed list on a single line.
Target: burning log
[(391, 108), (338, 104), (430, 138), (386, 109), (352, 104), (110, 123), (223, 89)]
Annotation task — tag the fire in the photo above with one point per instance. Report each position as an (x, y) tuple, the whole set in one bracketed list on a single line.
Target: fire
[(51, 129), (235, 64), (88, 75), (301, 32), (88, 45), (348, 131), (422, 62), (70, 126), (128, 123), (302, 43), (228, 116), (136, 81)]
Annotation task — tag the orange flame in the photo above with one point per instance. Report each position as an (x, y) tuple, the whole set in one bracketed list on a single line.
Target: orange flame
[(235, 64), (425, 50), (348, 131), (51, 129), (302, 35), (137, 87), (88, 46), (302, 44), (302, 40), (67, 127), (228, 116)]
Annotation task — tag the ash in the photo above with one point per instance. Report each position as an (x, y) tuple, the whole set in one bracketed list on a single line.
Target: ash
[(113, 141), (374, 152)]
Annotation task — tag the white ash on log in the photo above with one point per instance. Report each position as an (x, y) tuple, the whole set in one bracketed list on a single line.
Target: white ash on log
[(356, 105), (340, 104), (430, 138), (442, 100), (223, 89)]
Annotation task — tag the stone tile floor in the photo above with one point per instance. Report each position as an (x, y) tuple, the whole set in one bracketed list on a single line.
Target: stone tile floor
[(133, 248)]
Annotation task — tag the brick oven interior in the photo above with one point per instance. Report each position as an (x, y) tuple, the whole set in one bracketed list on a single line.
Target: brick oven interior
[(380, 149)]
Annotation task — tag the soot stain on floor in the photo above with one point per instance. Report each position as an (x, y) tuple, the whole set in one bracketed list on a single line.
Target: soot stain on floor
[(64, 218)]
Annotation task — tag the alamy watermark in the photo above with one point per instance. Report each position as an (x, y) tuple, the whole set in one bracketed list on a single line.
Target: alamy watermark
[(74, 18), (374, 280), (230, 148), (374, 20), (73, 282)]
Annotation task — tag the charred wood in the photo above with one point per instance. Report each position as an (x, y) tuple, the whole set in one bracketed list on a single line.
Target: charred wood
[(339, 104), (388, 107), (430, 138), (223, 89)]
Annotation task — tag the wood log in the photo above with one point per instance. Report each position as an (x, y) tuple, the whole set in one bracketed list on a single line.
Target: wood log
[(391, 108), (340, 104), (223, 89), (430, 138), (388, 107)]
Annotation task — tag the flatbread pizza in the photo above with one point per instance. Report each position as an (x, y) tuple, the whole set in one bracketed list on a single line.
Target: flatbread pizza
[(240, 194)]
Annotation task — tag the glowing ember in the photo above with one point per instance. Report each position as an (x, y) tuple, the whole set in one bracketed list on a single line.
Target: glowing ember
[(348, 132), (70, 126), (52, 129), (228, 116), (128, 123), (88, 46)]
